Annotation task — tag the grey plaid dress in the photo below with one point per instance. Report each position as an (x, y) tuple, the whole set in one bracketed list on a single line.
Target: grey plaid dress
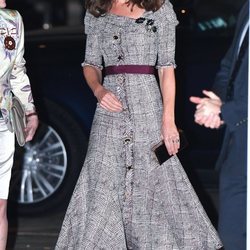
[(124, 199)]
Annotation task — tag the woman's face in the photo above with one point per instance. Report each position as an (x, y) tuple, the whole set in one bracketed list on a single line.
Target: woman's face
[(2, 3)]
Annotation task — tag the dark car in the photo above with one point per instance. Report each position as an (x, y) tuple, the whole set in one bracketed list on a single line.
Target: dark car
[(47, 168)]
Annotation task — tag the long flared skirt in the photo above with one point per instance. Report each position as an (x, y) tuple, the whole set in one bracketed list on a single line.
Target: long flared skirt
[(125, 200)]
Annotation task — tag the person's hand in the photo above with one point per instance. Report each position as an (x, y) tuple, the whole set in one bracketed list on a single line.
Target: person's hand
[(171, 138), (211, 121), (32, 124), (211, 97), (208, 110), (108, 100), (209, 104)]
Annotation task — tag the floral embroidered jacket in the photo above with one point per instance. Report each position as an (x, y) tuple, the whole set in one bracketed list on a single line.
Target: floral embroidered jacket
[(13, 78)]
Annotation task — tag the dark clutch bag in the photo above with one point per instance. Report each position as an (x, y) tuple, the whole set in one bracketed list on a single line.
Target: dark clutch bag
[(161, 151)]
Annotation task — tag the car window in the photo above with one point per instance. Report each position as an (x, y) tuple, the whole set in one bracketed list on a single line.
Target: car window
[(46, 14), (207, 15)]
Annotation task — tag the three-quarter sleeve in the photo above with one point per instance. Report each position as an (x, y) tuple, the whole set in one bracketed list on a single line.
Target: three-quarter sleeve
[(93, 56), (166, 36)]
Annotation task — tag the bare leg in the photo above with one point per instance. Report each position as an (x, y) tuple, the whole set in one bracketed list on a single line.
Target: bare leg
[(3, 224)]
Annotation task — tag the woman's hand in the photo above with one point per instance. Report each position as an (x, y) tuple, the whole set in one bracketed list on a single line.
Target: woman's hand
[(32, 124), (108, 100), (171, 137)]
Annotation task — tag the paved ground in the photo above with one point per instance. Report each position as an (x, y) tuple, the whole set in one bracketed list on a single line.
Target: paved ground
[(34, 233), (40, 233)]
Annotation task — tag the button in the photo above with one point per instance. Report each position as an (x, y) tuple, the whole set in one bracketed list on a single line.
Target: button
[(154, 29), (120, 79), (140, 20), (150, 22), (127, 140), (115, 37), (129, 168), (120, 57)]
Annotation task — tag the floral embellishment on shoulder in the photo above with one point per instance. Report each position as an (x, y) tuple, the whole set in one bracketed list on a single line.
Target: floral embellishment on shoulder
[(9, 37), (9, 43), (140, 20), (149, 23)]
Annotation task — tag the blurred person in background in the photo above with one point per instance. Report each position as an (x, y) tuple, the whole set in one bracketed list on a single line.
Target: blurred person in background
[(227, 105), (13, 80)]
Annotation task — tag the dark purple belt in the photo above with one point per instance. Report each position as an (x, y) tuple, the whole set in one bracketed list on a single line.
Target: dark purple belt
[(129, 69)]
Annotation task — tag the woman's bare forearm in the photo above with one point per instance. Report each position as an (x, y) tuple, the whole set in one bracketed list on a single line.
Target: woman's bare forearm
[(167, 85), (93, 77)]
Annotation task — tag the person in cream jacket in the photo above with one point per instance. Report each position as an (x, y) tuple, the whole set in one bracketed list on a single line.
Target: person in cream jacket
[(13, 81)]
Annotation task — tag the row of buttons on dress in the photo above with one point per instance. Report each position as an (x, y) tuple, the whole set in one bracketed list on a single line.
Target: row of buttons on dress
[(127, 141), (127, 133), (120, 88), (118, 42)]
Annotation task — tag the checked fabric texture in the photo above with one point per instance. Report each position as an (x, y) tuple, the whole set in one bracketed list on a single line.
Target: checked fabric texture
[(124, 199)]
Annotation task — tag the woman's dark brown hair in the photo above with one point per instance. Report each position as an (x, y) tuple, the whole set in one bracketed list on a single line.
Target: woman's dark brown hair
[(100, 7)]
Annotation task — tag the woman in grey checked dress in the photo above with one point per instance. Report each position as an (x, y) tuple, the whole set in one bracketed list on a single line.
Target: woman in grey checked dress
[(124, 199)]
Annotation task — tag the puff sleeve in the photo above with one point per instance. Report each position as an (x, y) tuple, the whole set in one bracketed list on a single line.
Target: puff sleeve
[(93, 55), (19, 80), (167, 22)]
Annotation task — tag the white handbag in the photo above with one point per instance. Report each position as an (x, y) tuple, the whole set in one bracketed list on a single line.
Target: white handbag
[(18, 120)]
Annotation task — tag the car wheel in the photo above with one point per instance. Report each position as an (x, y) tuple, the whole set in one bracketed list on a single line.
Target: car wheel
[(46, 169)]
